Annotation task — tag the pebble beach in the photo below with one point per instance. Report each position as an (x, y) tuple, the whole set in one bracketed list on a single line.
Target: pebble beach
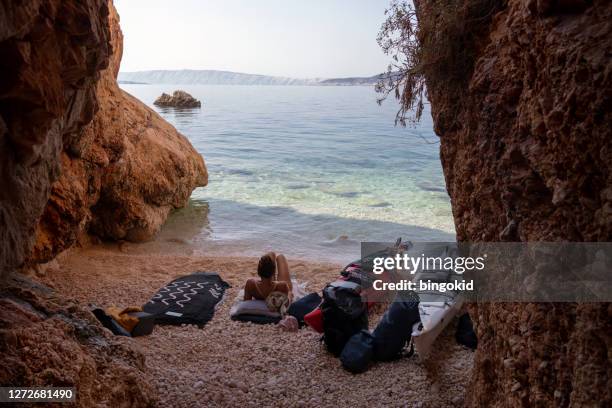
[(229, 363)]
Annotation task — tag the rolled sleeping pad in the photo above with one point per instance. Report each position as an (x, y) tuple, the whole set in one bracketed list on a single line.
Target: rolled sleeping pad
[(358, 352), (395, 329)]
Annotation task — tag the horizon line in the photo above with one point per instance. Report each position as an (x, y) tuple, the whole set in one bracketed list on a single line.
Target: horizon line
[(246, 73)]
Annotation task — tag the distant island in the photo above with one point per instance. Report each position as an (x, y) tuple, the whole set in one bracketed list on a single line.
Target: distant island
[(214, 77)]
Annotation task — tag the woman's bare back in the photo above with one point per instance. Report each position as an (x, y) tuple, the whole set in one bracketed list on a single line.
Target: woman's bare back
[(260, 290)]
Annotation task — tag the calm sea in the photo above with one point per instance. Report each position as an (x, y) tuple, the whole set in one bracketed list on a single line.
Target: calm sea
[(305, 170)]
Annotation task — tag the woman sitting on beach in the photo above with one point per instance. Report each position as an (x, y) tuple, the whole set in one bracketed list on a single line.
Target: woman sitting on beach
[(276, 292)]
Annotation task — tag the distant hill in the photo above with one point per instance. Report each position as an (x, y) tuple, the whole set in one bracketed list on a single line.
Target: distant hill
[(214, 77), (351, 81)]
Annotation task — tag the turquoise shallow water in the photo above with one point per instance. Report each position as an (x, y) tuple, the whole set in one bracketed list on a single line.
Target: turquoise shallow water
[(307, 170)]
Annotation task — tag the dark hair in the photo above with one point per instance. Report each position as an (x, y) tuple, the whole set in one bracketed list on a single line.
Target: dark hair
[(266, 267)]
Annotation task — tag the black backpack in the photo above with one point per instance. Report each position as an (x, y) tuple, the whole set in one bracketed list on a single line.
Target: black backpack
[(344, 314)]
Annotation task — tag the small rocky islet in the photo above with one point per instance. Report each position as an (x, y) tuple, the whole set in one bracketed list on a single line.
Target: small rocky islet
[(178, 99)]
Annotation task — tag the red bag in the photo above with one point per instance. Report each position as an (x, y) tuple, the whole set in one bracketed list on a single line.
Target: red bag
[(315, 320)]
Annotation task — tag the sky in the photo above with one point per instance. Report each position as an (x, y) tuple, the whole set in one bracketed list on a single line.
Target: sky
[(294, 38)]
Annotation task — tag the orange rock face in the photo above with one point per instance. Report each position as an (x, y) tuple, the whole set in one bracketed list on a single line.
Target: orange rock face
[(526, 146), (76, 154), (125, 173), (51, 53)]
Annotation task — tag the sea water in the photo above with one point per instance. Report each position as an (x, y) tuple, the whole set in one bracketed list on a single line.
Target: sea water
[(310, 171)]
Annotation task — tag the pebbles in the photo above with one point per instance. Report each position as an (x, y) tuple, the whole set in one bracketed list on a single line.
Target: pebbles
[(234, 364)]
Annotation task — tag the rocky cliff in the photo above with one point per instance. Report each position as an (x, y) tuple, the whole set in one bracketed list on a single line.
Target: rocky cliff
[(125, 173), (51, 53), (526, 146), (77, 155)]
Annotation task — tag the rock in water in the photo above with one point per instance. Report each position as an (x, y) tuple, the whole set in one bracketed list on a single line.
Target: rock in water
[(179, 99)]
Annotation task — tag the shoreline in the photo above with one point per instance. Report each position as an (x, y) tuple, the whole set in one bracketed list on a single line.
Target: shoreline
[(190, 366)]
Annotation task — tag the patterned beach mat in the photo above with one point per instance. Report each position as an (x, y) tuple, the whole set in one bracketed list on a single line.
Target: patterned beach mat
[(189, 299)]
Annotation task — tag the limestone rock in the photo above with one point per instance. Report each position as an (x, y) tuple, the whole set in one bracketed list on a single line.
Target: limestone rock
[(51, 53), (124, 174), (179, 99), (526, 142)]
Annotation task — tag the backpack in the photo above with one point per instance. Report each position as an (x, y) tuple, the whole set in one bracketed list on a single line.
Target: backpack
[(344, 314), (395, 328)]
